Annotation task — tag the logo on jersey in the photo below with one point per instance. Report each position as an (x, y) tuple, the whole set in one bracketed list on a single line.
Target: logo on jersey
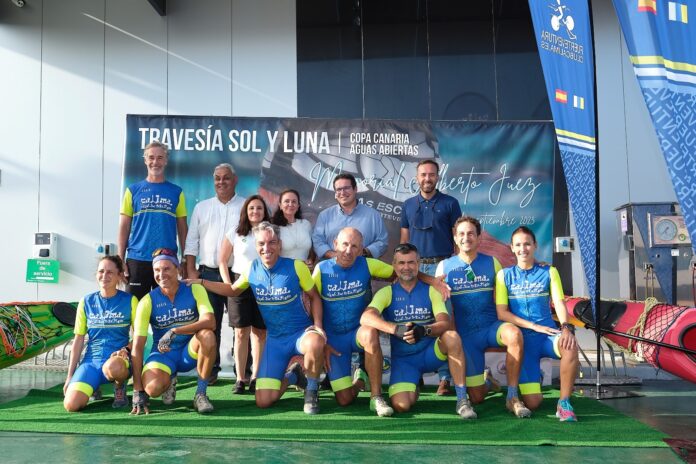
[(105, 318), (175, 316)]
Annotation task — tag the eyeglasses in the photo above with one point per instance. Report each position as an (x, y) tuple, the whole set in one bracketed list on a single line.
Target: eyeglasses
[(405, 248), (344, 189), (164, 251)]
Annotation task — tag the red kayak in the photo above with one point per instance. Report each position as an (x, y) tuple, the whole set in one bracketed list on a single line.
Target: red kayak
[(661, 323)]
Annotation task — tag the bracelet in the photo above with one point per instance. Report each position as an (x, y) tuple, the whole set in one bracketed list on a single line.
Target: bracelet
[(568, 326)]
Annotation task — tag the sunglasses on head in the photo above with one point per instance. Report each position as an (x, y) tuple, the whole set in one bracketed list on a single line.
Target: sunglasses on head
[(405, 248), (163, 251)]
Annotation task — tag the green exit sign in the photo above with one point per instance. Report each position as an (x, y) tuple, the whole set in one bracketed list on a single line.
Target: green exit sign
[(43, 271)]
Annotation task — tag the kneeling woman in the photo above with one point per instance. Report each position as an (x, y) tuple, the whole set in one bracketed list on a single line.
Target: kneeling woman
[(523, 295), (107, 317)]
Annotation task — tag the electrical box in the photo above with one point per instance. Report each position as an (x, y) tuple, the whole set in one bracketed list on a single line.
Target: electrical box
[(45, 245), (564, 245)]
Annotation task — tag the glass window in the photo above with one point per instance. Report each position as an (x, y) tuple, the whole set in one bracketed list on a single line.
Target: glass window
[(462, 68), (396, 59), (329, 59), (521, 89)]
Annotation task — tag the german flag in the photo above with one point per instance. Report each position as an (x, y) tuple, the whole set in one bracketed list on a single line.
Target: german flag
[(561, 96), (648, 5)]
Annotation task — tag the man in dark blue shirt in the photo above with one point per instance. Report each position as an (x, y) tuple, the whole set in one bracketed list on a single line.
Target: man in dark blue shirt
[(426, 221)]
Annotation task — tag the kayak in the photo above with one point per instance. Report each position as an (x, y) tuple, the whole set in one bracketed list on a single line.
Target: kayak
[(29, 329)]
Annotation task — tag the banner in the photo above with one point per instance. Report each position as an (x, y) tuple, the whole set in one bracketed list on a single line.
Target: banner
[(501, 173), (564, 39), (661, 41)]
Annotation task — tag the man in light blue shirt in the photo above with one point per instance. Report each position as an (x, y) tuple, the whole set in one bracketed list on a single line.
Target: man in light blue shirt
[(349, 213)]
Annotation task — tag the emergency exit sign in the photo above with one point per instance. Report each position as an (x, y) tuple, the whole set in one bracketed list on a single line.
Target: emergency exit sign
[(43, 271)]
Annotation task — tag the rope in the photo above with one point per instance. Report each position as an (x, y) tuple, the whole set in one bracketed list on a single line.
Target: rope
[(639, 328)]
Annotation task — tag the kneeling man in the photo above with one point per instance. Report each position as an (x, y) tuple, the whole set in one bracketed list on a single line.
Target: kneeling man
[(183, 332), (422, 339), (278, 285)]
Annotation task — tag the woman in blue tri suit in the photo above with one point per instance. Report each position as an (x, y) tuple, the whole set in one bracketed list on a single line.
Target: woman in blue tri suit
[(523, 295), (106, 317)]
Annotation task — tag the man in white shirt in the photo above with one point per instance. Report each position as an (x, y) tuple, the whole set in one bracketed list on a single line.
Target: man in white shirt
[(210, 220)]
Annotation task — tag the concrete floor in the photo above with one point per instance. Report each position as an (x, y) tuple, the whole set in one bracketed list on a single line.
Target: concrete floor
[(669, 406)]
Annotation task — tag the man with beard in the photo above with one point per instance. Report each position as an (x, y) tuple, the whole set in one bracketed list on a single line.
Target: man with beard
[(422, 340), (426, 222), (348, 212)]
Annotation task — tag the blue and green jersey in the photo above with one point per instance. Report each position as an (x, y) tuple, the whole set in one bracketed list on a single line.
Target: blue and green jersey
[(278, 292), (419, 306), (346, 292), (154, 209), (107, 322), (472, 286)]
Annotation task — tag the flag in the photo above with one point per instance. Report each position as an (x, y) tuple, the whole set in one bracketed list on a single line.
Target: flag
[(647, 5), (678, 12), (561, 96), (662, 50), (564, 41), (578, 102)]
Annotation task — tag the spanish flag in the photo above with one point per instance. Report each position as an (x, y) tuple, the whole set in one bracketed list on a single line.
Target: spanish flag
[(561, 96), (647, 5)]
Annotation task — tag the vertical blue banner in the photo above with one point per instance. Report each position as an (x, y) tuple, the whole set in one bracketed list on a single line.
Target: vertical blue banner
[(564, 38), (661, 39)]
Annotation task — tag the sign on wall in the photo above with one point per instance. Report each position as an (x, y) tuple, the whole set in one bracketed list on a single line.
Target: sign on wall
[(501, 173)]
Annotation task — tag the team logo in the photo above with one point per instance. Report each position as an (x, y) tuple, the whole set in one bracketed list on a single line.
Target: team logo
[(561, 18)]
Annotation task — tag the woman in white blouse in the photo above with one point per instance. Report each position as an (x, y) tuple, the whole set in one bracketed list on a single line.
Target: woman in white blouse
[(295, 232), (244, 314)]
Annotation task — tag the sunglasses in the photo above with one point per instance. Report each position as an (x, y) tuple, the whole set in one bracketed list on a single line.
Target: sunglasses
[(163, 251), (405, 248)]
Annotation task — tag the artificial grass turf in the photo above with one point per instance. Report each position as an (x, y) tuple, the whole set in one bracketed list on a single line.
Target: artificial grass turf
[(432, 421)]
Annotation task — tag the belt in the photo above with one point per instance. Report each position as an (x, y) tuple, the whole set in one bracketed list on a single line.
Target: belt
[(208, 269), (432, 259)]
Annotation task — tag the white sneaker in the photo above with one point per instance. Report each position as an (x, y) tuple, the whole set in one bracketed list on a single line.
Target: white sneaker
[(169, 396), (380, 406), (465, 410)]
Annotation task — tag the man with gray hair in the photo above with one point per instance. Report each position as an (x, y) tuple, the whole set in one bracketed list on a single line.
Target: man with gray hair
[(153, 213), (279, 285), (210, 220)]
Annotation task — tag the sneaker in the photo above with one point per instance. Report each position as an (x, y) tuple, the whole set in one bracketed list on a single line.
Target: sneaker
[(517, 407), (252, 386), (311, 402), (380, 406), (120, 397), (361, 376), (444, 388), (465, 410), (564, 411), (202, 404), (97, 395), (238, 387), (492, 382), (296, 368), (169, 396)]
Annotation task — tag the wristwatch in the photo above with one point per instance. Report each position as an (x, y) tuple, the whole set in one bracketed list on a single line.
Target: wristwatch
[(428, 331), (568, 326)]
